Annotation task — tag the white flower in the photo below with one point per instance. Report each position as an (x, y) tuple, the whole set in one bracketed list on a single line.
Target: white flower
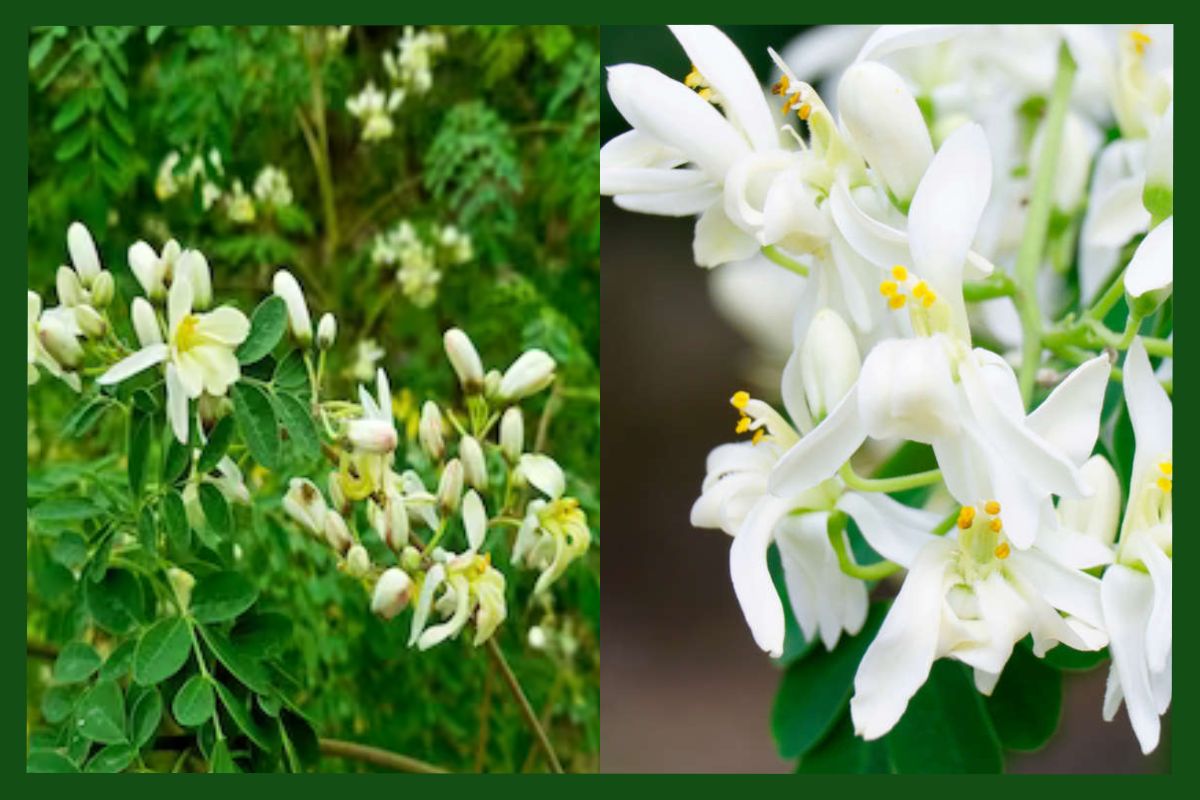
[(374, 109), (326, 331), (240, 205), (38, 353), (154, 271), (305, 504), (464, 358), (193, 267), (337, 533), (358, 561), (512, 433), (529, 374), (84, 256), (389, 518), (470, 586), (182, 582), (450, 486), (543, 473), (392, 593), (145, 322), (1153, 265), (475, 520), (271, 187), (474, 465), (165, 184), (554, 533), (375, 431), (429, 431), (199, 353), (1136, 590), (286, 286)]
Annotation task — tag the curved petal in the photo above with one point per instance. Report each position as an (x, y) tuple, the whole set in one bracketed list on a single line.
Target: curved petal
[(821, 453), (1158, 627), (1127, 597), (177, 405), (474, 517), (225, 325), (752, 578), (433, 579), (1117, 215), (1153, 266), (899, 659), (636, 149), (1149, 406), (683, 203), (1072, 548), (718, 241), (462, 608), (891, 38), (895, 531), (648, 180), (1069, 419), (131, 365), (876, 241), (179, 304), (544, 473), (1070, 590)]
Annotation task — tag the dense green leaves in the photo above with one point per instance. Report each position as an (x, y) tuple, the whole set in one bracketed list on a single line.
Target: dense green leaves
[(216, 508), (116, 601), (297, 420), (101, 713), (162, 650), (255, 415), (77, 662), (267, 326), (193, 703), (113, 758), (215, 447), (144, 717), (221, 597)]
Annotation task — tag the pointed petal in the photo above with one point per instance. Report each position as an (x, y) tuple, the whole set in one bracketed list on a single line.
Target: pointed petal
[(177, 405), (225, 325), (179, 304), (891, 38), (544, 473), (821, 453), (718, 241), (1153, 264), (1158, 627), (1148, 404), (1070, 590), (634, 149), (132, 365), (1069, 419), (1127, 597), (752, 578), (895, 531), (683, 203), (474, 520)]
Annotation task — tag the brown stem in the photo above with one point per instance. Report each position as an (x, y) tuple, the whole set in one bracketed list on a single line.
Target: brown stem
[(543, 428), (377, 756), (531, 717)]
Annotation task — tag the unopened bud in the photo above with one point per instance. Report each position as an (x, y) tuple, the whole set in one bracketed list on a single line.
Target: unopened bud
[(304, 504), (474, 516), (450, 486), (182, 582), (326, 331), (885, 123), (465, 360), (286, 286), (145, 323), (358, 562), (390, 520), (337, 496), (103, 289), (512, 434), (529, 374), (429, 431), (392, 593), (193, 267), (491, 384), (336, 533), (1160, 167), (149, 269), (830, 362), (410, 558), (1097, 515), (90, 322), (83, 253), (474, 465), (372, 435), (70, 290), (59, 342), (537, 637)]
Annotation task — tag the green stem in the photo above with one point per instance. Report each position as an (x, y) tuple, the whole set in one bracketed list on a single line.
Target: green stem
[(1112, 295), (791, 265), (868, 572), (947, 523), (899, 483), (1033, 244), (998, 284)]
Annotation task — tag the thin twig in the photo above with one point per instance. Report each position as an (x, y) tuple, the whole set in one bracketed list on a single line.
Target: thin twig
[(485, 717), (543, 428), (531, 717), (378, 756)]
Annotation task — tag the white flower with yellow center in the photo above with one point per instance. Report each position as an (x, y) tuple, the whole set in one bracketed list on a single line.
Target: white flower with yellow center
[(199, 352), (1136, 590), (555, 531), (459, 588)]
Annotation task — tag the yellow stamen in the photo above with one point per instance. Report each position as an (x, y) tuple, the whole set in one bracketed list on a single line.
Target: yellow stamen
[(693, 79), (185, 335), (900, 272), (888, 288), (705, 93), (805, 111), (781, 86), (1002, 550), (1166, 467), (743, 425), (929, 299), (1140, 40), (996, 525), (992, 507), (792, 99), (920, 289), (740, 399), (759, 435), (966, 517), (897, 301), (1164, 484)]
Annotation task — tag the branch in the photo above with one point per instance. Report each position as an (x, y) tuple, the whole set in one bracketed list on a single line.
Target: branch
[(531, 717), (377, 756)]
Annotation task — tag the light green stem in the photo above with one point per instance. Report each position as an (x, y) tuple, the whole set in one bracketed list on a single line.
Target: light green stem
[(868, 572), (791, 265), (899, 483), (1105, 302), (1037, 223)]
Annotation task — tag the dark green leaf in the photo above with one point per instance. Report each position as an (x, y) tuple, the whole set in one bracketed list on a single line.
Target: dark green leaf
[(243, 717), (221, 597), (299, 732), (69, 509), (841, 752), (115, 601), (76, 662), (119, 661), (70, 550), (148, 530), (215, 447), (59, 701), (175, 519), (1065, 658), (221, 760), (84, 417), (262, 634), (267, 326), (175, 458), (144, 717), (255, 416), (216, 508), (1026, 703), (945, 729), (815, 690), (297, 420), (162, 650), (291, 376), (193, 703), (242, 665), (101, 713), (139, 450), (113, 758), (49, 761)]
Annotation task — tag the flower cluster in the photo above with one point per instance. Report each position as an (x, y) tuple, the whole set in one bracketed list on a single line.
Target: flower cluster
[(271, 188), (419, 256), (409, 70), (912, 222)]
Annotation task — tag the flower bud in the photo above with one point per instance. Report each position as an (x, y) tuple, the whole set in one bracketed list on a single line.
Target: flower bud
[(70, 290), (59, 342), (450, 486), (474, 465), (358, 562), (149, 269), (182, 582), (465, 360), (1097, 515), (286, 286), (392, 593), (829, 363), (193, 267), (1157, 196), (537, 637), (103, 289), (529, 374), (512, 434), (326, 331), (410, 558), (336, 533), (475, 520), (304, 504), (372, 435), (83, 252), (885, 123), (145, 323), (90, 322), (337, 497), (491, 384), (429, 431), (390, 520)]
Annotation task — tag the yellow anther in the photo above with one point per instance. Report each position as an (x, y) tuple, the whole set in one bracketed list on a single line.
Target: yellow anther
[(1140, 40), (705, 93), (966, 517), (1164, 484), (740, 400), (693, 79), (929, 299), (759, 435), (995, 524), (900, 272), (1002, 550), (920, 289), (897, 301), (792, 100), (1166, 467), (805, 111), (992, 507), (743, 425), (888, 288), (781, 86)]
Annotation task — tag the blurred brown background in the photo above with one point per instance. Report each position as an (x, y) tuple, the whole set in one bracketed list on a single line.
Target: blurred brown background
[(683, 687)]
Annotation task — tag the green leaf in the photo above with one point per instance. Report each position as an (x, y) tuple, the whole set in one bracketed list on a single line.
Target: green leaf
[(40, 49), (144, 717), (267, 326), (816, 689), (1026, 704), (241, 664), (162, 651), (243, 717), (68, 509), (153, 32), (215, 447), (113, 758), (119, 661), (49, 761), (101, 713), (221, 760), (147, 530), (841, 752), (73, 143), (193, 703), (115, 601), (175, 458), (70, 111), (255, 417), (297, 420), (216, 508), (76, 663), (291, 376), (70, 550), (139, 450), (1066, 658), (85, 416), (945, 729), (262, 634), (222, 596), (59, 701), (175, 518)]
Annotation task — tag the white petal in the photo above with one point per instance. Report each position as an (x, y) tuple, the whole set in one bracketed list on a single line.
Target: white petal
[(1069, 419), (822, 452), (433, 579), (878, 242), (462, 608), (474, 520), (177, 405), (1148, 404), (544, 473), (645, 180), (179, 304), (384, 391), (83, 252), (895, 531), (1070, 590), (1072, 548), (132, 365), (684, 203), (1152, 267), (226, 325), (752, 578), (898, 661), (718, 241), (1158, 627), (1127, 597), (1118, 215), (636, 149), (891, 38)]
